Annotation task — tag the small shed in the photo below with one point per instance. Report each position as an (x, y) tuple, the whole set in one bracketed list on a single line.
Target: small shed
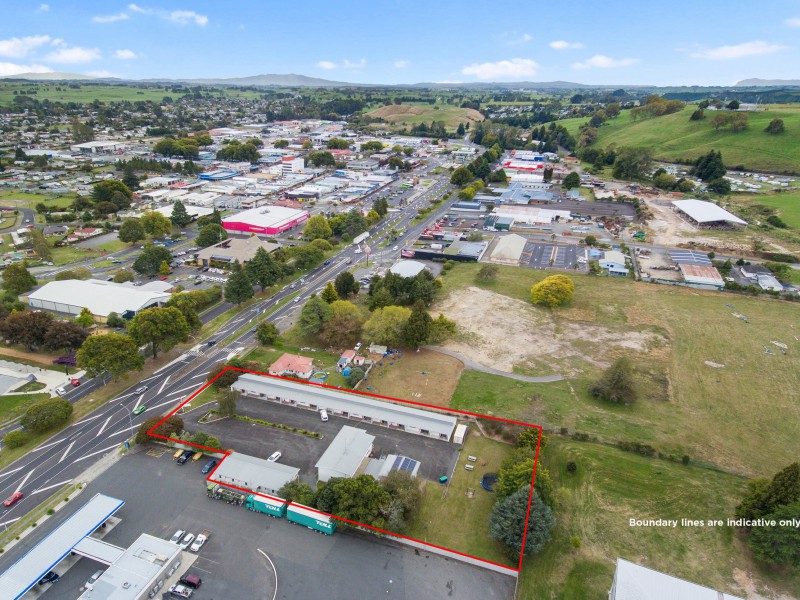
[(460, 434)]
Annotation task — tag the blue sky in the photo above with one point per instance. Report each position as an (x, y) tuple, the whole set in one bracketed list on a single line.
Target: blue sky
[(409, 41)]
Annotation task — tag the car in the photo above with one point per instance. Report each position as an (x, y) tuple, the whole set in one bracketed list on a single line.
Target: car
[(61, 390), (187, 454), (192, 581), (349, 261), (186, 541), (93, 579), (197, 282), (180, 591), (163, 278), (50, 577), (326, 263), (75, 382), (396, 248), (208, 466), (176, 537), (211, 342), (17, 496), (274, 457), (141, 389), (323, 414), (357, 251), (65, 360), (139, 410)]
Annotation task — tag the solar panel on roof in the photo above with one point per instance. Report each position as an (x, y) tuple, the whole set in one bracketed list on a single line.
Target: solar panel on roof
[(397, 461), (690, 257)]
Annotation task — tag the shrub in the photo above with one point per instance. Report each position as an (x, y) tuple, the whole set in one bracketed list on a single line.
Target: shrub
[(616, 385), (572, 467), (46, 414), (16, 438)]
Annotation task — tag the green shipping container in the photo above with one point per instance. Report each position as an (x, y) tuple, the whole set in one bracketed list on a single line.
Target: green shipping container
[(274, 508), (312, 519)]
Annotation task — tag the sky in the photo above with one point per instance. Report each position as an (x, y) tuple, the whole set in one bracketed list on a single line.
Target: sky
[(408, 41)]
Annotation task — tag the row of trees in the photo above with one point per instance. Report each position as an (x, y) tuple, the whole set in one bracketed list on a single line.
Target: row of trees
[(41, 329)]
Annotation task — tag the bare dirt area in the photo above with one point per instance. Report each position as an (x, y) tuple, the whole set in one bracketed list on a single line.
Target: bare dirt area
[(507, 334), (425, 376)]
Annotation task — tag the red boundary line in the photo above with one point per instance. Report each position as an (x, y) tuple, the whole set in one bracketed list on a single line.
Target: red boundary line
[(439, 409)]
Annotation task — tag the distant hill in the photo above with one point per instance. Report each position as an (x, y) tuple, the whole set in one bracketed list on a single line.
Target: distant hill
[(755, 82), (278, 80), (55, 76), (674, 138)]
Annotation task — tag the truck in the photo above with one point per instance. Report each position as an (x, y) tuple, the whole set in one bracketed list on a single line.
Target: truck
[(274, 508), (308, 517), (362, 237), (180, 591), (201, 539), (229, 495)]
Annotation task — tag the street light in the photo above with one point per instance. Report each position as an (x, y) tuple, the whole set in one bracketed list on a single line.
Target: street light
[(130, 416)]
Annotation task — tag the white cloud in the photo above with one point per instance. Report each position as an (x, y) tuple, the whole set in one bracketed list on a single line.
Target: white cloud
[(7, 69), (401, 64), (793, 22), (187, 17), (139, 9), (600, 61), (125, 54), (327, 65), (73, 55), (110, 18), (43, 8), (515, 68), (739, 51), (20, 47), (562, 45), (354, 65), (523, 39)]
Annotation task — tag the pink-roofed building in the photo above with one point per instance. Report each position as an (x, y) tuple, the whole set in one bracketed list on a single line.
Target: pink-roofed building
[(292, 365)]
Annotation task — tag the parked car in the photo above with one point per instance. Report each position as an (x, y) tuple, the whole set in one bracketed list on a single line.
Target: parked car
[(186, 455), (61, 390), (50, 577), (186, 541), (93, 579), (66, 360), (17, 496), (192, 581), (180, 591), (140, 390), (208, 466), (201, 539), (274, 457), (176, 537), (323, 414)]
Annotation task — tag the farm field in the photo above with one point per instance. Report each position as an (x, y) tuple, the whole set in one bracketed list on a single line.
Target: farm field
[(609, 488), (675, 138), (739, 417), (786, 203), (408, 115)]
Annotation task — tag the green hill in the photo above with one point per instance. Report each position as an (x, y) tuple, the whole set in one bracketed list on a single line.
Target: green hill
[(675, 138)]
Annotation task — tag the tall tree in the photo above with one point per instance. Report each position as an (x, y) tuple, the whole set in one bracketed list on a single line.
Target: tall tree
[(131, 231), (418, 327), (387, 325), (262, 270), (129, 178), (572, 180), (65, 335), (314, 314), (780, 544), (267, 333), (180, 217), (329, 293), (507, 522), (86, 318), (238, 288), (17, 279), (113, 352), (317, 228), (345, 285), (162, 328), (344, 325), (150, 259), (211, 234), (155, 224)]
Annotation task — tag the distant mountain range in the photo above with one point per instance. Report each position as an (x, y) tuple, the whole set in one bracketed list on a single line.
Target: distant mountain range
[(48, 76), (756, 82)]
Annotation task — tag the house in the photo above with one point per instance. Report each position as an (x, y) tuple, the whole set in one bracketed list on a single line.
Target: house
[(87, 232), (614, 262), (292, 365), (55, 230), (345, 359), (754, 271), (769, 283), (359, 360)]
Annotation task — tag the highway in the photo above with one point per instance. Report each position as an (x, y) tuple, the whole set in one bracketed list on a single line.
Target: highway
[(62, 459)]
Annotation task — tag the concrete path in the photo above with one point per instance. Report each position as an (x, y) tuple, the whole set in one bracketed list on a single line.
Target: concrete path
[(471, 364)]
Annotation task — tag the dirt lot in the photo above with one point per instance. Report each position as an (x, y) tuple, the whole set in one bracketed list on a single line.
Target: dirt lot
[(424, 376), (535, 340)]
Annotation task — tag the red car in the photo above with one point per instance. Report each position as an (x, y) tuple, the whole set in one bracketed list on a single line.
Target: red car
[(75, 382), (13, 498), (164, 278)]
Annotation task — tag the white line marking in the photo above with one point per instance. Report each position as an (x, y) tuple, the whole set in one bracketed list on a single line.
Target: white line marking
[(7, 473), (198, 376), (88, 419), (47, 445), (138, 402), (127, 429), (103, 426), (163, 385), (63, 456), (50, 487), (177, 401), (11, 521), (25, 479), (96, 453), (191, 387)]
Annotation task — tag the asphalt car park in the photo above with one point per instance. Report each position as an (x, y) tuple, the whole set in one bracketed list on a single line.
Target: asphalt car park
[(167, 497), (545, 256), (437, 457)]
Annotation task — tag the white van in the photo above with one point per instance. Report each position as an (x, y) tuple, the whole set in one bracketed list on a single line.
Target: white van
[(323, 414)]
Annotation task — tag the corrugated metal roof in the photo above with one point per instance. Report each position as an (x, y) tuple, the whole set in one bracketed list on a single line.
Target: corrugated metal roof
[(100, 297), (634, 582), (706, 212), (253, 473), (345, 453)]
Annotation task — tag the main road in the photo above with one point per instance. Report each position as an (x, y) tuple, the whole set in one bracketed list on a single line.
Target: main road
[(62, 459)]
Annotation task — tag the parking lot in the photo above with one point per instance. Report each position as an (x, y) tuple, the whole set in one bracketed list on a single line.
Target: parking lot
[(162, 497), (545, 256), (437, 457)]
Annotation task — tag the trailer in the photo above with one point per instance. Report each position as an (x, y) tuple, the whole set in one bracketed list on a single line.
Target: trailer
[(268, 506), (302, 515), (360, 238), (222, 493)]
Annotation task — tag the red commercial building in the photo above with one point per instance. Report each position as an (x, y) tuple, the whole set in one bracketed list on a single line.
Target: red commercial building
[(265, 220)]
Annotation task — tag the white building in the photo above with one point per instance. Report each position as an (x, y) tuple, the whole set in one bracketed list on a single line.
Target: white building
[(345, 454), (254, 474), (614, 263), (634, 582)]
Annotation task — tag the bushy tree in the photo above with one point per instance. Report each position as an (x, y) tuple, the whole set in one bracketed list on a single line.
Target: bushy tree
[(764, 496), (74, 273), (65, 335), (227, 402), (345, 285), (343, 327), (201, 438), (155, 224), (709, 166), (418, 327), (775, 127), (329, 293), (238, 287), (169, 428), (16, 438), (461, 176), (553, 291), (317, 228), (617, 383), (131, 231), (362, 499), (487, 273), (211, 234), (17, 279), (46, 414), (356, 375), (719, 186), (85, 319), (632, 163), (507, 523), (572, 180), (262, 269), (104, 192), (313, 316), (150, 259), (26, 327), (267, 333), (113, 352), (123, 275), (387, 325), (160, 327), (298, 492)]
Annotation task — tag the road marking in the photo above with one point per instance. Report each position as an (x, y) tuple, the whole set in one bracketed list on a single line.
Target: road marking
[(104, 426), (7, 473), (50, 487), (163, 385), (17, 519), (138, 402), (96, 453), (88, 419), (127, 429), (47, 445), (164, 403), (199, 376), (63, 456), (191, 387), (25, 479)]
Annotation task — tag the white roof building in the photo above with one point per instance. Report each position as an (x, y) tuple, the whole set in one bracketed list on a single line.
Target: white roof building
[(703, 212), (345, 453), (634, 582), (407, 268), (254, 474), (508, 249), (100, 297)]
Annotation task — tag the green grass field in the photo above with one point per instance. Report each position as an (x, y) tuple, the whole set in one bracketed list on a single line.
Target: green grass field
[(15, 405), (409, 115), (675, 138), (742, 417), (786, 203), (609, 488)]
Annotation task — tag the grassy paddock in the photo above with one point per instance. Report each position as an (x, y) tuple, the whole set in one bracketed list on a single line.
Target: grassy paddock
[(741, 417)]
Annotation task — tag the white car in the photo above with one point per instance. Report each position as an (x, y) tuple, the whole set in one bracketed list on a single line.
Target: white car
[(177, 536), (357, 251), (187, 539), (274, 457), (323, 414), (396, 248), (198, 543)]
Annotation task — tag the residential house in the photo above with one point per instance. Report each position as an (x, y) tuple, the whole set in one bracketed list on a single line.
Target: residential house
[(614, 262), (292, 365)]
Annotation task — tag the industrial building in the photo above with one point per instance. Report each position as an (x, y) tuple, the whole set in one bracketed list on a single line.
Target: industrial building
[(634, 582), (346, 404), (508, 250), (702, 277), (345, 454), (254, 474), (98, 147), (407, 268), (707, 214), (71, 296), (232, 249), (265, 220)]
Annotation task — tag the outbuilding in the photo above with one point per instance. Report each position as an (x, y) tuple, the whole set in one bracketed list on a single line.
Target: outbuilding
[(254, 474), (345, 454), (614, 262)]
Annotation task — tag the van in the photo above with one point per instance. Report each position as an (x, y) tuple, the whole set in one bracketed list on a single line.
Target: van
[(323, 414), (192, 581)]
